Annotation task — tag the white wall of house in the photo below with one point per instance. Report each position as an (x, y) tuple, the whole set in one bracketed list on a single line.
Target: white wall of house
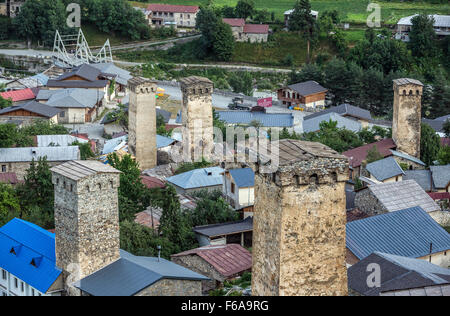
[(441, 259), (392, 179), (238, 197), (11, 285)]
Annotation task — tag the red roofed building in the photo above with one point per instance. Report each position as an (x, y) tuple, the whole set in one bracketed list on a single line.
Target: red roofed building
[(357, 155), (160, 15), (19, 95), (242, 32), (219, 263), (152, 182)]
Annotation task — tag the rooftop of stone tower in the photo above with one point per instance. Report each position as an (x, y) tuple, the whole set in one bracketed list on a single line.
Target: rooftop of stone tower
[(405, 81), (193, 80), (137, 81), (79, 169)]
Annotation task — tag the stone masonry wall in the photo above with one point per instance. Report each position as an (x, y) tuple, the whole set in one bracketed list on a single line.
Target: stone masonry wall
[(167, 287), (299, 229), (20, 168), (366, 202)]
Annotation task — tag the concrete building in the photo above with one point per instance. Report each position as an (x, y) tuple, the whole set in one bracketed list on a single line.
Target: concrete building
[(409, 232), (299, 223), (142, 122), (197, 118), (166, 15), (308, 95), (243, 32), (407, 115), (441, 26)]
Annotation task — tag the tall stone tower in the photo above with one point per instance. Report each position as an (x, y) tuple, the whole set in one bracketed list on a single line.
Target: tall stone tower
[(197, 117), (407, 115), (86, 217), (299, 223), (142, 122)]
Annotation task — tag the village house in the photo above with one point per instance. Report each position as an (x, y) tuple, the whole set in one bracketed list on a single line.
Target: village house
[(385, 170), (29, 112), (58, 140), (308, 95), (345, 110), (436, 179), (313, 124), (20, 96), (77, 105), (405, 277), (209, 179), (239, 232), (273, 121), (218, 263), (287, 15), (33, 82), (239, 189), (85, 77), (243, 32), (18, 159), (409, 232), (441, 26), (121, 77), (391, 197), (178, 16)]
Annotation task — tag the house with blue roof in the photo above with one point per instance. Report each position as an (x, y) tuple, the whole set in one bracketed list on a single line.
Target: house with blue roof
[(239, 189), (409, 233), (313, 124), (209, 179), (385, 170), (27, 261)]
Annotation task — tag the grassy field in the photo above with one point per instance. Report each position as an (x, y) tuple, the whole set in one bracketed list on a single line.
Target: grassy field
[(97, 38), (350, 10)]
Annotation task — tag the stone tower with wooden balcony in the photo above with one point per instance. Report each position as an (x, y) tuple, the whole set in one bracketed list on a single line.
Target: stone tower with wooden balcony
[(197, 117), (86, 218), (142, 122), (299, 223), (406, 123)]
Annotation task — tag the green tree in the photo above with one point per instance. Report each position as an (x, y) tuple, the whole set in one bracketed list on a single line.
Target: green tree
[(9, 204), (245, 9), (304, 23), (4, 103), (430, 144), (85, 150), (373, 155), (223, 44), (446, 128), (422, 36), (212, 209), (261, 16), (444, 155), (242, 83), (8, 135)]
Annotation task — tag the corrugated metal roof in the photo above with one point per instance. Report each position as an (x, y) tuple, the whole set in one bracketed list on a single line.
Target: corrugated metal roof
[(228, 260), (384, 168), (403, 194), (343, 109), (30, 242), (18, 95), (244, 177), (266, 119), (225, 228), (27, 154), (198, 178), (441, 176), (58, 140), (77, 170), (407, 232), (131, 274), (439, 20), (407, 157), (313, 124), (163, 141)]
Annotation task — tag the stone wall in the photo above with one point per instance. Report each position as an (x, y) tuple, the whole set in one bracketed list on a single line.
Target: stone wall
[(86, 224), (197, 264), (168, 287), (366, 202), (299, 229), (20, 168), (411, 164)]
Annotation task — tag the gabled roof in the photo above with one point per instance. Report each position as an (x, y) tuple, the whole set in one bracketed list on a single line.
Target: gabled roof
[(234, 22), (29, 242), (163, 141), (359, 154), (228, 260), (400, 273), (156, 7), (266, 119), (441, 176), (80, 169), (58, 140), (18, 95), (313, 124), (122, 75), (198, 178), (384, 169), (439, 20), (224, 229), (443, 118), (71, 98), (407, 157), (152, 182), (85, 71), (77, 84), (344, 110), (403, 194), (422, 177), (407, 232), (27, 154), (131, 274), (256, 28), (33, 107), (243, 177), (307, 88)]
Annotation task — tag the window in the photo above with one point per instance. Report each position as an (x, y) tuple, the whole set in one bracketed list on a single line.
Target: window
[(16, 283), (22, 286), (62, 114), (3, 168), (232, 187), (32, 292), (4, 276)]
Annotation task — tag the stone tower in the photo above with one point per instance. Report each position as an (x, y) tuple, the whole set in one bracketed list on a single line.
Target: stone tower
[(299, 223), (197, 117), (407, 115), (142, 122), (86, 217)]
